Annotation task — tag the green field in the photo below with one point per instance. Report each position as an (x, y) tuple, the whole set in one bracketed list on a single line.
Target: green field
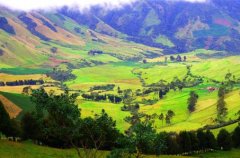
[(127, 75)]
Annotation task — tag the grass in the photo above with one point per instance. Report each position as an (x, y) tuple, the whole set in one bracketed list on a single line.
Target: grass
[(204, 114), (217, 68), (167, 73), (234, 153), (29, 150), (112, 73)]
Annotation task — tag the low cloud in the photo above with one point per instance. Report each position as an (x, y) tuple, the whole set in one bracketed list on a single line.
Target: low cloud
[(28, 5)]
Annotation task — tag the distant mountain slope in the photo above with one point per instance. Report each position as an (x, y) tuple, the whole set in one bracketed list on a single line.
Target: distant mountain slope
[(186, 26), (48, 39)]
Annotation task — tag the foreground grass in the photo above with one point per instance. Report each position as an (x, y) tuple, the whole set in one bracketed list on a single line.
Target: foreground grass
[(29, 150), (234, 153)]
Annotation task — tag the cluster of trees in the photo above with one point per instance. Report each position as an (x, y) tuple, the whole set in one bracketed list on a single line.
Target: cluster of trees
[(108, 87), (22, 82), (95, 52), (130, 107), (142, 138), (61, 75), (57, 122), (106, 97), (168, 117), (178, 58)]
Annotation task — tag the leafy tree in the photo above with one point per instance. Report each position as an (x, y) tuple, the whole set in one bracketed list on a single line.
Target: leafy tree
[(236, 137), (14, 129), (172, 144), (202, 139), (31, 126), (211, 142), (172, 58), (160, 143), (144, 136), (185, 141), (192, 100), (221, 92), (128, 97), (95, 134), (179, 58), (184, 58), (224, 140), (229, 81), (60, 116), (194, 141), (160, 93), (166, 60), (169, 116), (221, 109), (161, 117), (221, 105)]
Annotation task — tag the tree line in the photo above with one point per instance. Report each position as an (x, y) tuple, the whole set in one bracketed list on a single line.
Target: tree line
[(22, 82), (105, 97), (57, 122)]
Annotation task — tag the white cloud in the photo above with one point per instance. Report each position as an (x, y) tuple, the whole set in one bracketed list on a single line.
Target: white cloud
[(28, 5)]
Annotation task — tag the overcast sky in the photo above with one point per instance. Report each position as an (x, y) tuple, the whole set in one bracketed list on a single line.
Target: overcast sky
[(28, 5)]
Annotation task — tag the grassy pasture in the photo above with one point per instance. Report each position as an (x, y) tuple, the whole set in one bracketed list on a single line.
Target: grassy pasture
[(8, 77), (161, 72), (112, 73), (217, 68), (205, 110)]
